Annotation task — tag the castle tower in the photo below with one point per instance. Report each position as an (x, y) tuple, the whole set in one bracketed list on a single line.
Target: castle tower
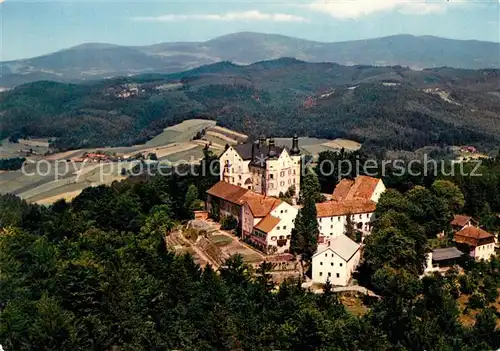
[(297, 163)]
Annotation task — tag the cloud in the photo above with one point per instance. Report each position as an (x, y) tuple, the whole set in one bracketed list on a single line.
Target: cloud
[(352, 9), (229, 16)]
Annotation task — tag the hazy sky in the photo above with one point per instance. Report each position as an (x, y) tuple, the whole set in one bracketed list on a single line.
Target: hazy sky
[(30, 28)]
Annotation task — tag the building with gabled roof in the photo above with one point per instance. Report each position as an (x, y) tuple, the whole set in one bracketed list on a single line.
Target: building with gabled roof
[(442, 259), (335, 260), (460, 221), (478, 242), (265, 222), (362, 188), (355, 198), (228, 199), (262, 166), (268, 225)]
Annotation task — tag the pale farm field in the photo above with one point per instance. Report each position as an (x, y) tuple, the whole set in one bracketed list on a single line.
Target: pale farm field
[(174, 145), (221, 137), (69, 196), (343, 143), (229, 132)]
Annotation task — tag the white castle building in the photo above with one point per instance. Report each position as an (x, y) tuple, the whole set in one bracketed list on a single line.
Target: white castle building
[(263, 167)]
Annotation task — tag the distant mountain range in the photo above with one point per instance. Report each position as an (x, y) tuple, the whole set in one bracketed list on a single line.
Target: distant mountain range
[(97, 61)]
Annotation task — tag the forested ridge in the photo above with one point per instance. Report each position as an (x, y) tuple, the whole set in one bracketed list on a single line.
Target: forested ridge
[(95, 274), (385, 108)]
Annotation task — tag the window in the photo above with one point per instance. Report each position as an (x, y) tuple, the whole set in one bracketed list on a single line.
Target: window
[(286, 211), (320, 274), (340, 264), (326, 255), (367, 215), (273, 238), (338, 218), (281, 211), (331, 264), (329, 274), (284, 227), (282, 237), (331, 227), (278, 227), (239, 177), (321, 263), (338, 275), (288, 236), (333, 255), (271, 176)]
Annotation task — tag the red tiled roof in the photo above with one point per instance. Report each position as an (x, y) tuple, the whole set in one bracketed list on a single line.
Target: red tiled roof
[(332, 208), (267, 224), (363, 188), (460, 220), (261, 207), (473, 236), (342, 189), (229, 192)]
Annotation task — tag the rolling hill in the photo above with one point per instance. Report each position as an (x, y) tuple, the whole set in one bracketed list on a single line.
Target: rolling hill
[(385, 108), (97, 61)]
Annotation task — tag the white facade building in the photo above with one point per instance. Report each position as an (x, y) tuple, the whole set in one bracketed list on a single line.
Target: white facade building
[(355, 198), (336, 260), (262, 167), (477, 242), (273, 232)]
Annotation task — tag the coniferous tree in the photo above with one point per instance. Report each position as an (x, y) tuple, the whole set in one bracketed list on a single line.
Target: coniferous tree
[(350, 230), (305, 236)]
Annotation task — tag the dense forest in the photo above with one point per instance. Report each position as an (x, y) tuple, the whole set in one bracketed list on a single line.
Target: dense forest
[(385, 108), (96, 274)]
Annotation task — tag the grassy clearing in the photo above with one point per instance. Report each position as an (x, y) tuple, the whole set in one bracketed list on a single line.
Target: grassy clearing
[(354, 304), (69, 196), (343, 143), (221, 240), (193, 154), (303, 141), (229, 133), (57, 193), (222, 137)]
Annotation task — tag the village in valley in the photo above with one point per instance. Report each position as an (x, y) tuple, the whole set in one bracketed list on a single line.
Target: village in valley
[(252, 211)]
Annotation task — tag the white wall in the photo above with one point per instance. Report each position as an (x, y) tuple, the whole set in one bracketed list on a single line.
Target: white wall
[(484, 252), (285, 173), (331, 227), (328, 265), (238, 172), (379, 189), (283, 230)]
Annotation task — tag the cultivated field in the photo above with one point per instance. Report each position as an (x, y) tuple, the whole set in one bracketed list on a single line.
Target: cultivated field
[(175, 144)]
